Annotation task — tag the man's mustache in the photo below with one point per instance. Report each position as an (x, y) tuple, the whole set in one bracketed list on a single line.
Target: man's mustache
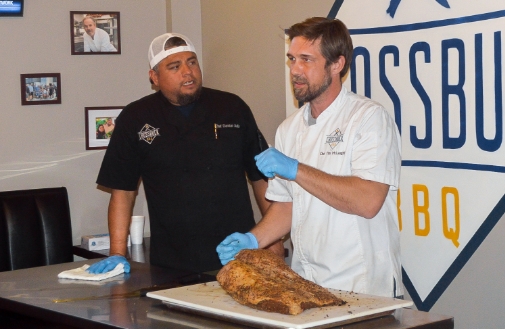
[(298, 79)]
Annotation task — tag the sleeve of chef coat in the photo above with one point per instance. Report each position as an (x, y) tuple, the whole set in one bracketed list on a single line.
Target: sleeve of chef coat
[(252, 147), (376, 149), (121, 164), (279, 189)]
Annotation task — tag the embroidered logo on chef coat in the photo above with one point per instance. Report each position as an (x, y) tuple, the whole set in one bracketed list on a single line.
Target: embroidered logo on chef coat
[(334, 138), (148, 133)]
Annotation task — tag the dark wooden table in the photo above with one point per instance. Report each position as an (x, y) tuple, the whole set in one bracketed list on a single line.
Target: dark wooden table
[(27, 300)]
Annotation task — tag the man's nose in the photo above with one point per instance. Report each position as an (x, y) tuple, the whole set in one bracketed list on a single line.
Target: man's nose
[(186, 69), (294, 68)]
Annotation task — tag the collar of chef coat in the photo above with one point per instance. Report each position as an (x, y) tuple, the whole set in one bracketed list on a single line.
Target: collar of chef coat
[(334, 106)]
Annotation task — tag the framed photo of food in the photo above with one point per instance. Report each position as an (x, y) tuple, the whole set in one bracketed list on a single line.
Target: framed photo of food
[(100, 124), (95, 33)]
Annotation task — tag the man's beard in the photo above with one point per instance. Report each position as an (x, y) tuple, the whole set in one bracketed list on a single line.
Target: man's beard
[(185, 99), (312, 92)]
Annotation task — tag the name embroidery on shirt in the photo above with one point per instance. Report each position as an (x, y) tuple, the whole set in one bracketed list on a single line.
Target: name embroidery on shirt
[(227, 125), (332, 141), (148, 133)]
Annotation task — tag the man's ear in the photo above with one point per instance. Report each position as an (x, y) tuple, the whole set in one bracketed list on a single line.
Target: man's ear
[(153, 77), (338, 66)]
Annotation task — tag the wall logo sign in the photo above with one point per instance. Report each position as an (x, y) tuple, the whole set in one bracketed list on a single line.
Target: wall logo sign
[(393, 5), (437, 66), (440, 72)]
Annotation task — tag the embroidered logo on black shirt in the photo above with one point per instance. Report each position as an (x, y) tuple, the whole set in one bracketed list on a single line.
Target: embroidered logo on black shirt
[(148, 133)]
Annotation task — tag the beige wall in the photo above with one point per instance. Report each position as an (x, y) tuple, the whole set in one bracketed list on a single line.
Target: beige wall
[(43, 145), (243, 51)]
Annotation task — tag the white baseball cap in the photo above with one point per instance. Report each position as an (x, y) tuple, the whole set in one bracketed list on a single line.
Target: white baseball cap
[(157, 51)]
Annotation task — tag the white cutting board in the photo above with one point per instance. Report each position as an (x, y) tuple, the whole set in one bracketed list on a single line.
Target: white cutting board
[(211, 300)]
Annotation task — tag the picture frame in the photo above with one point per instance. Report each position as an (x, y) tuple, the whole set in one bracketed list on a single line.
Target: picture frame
[(95, 33), (40, 88), (97, 118)]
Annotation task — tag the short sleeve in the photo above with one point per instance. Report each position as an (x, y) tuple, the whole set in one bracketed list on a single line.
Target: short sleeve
[(279, 189), (254, 144), (376, 153), (120, 167)]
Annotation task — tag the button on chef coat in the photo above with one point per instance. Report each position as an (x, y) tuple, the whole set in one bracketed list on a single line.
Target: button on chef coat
[(353, 136)]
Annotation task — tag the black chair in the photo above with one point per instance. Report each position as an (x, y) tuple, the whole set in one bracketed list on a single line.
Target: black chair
[(35, 228)]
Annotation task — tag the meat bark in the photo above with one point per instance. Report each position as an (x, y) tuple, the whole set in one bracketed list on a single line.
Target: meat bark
[(260, 279)]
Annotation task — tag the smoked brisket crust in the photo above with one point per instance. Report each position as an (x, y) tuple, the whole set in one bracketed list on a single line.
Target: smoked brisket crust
[(260, 279)]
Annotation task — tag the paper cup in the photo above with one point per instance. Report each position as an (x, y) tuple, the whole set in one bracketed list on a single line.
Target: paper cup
[(137, 229), (138, 253)]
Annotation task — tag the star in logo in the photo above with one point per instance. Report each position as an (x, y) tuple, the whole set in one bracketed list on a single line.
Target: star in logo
[(334, 138), (148, 133), (393, 5)]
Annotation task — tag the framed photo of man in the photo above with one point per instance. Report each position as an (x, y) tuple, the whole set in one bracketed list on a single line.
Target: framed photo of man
[(40, 89), (100, 123), (95, 33)]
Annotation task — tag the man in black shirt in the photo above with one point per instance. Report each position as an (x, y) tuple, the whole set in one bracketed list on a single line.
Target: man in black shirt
[(192, 147)]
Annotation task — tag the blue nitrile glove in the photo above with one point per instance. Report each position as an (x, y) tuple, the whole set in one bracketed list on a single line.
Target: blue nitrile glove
[(233, 243), (271, 162), (108, 264)]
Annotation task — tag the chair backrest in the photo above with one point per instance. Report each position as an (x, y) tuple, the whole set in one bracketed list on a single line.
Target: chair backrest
[(35, 228)]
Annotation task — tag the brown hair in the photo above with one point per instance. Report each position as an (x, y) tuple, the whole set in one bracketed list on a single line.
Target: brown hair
[(89, 17), (170, 43), (174, 42), (335, 38)]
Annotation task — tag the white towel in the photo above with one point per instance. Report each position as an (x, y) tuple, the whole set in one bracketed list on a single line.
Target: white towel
[(81, 274)]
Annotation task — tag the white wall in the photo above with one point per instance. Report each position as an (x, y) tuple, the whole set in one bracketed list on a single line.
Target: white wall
[(44, 145), (186, 18)]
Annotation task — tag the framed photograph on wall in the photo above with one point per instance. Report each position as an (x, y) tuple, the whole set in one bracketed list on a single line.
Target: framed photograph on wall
[(40, 89), (95, 33), (100, 123)]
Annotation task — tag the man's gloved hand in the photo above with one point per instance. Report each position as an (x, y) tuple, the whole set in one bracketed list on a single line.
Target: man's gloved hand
[(108, 264), (233, 243), (271, 162)]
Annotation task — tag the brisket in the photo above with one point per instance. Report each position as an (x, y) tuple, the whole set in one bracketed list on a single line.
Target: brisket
[(260, 279)]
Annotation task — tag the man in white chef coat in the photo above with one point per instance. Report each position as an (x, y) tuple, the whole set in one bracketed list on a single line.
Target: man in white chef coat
[(334, 174), (95, 39)]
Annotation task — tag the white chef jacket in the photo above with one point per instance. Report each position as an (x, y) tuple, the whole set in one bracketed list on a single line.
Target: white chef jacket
[(354, 136), (99, 43)]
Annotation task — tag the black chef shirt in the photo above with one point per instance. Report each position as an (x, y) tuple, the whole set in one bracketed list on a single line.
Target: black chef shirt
[(195, 183)]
